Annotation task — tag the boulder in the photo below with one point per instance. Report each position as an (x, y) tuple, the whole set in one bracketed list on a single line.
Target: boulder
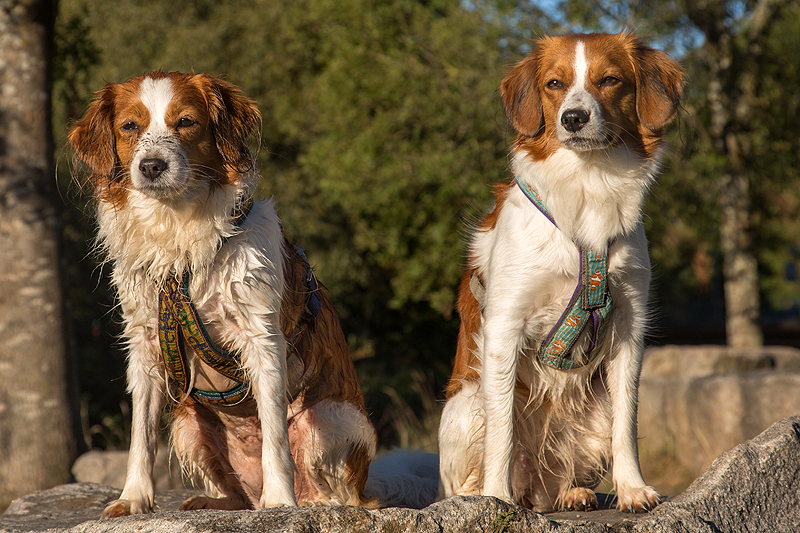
[(753, 487), (110, 468), (695, 402), (702, 361)]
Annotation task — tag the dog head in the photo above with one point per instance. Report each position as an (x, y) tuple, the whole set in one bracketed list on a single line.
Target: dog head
[(591, 92), (165, 134)]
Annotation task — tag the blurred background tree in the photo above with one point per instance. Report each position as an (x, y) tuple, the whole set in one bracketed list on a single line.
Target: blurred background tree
[(37, 430), (382, 133), (734, 155)]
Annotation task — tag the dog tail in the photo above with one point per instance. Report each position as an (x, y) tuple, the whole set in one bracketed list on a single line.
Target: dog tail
[(404, 479)]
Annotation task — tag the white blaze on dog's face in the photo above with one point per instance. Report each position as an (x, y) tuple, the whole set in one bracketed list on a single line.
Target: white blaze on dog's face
[(585, 118), (166, 136), (157, 135), (591, 92)]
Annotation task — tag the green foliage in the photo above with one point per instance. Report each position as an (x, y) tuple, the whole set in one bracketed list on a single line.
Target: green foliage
[(775, 166), (381, 132), (504, 522)]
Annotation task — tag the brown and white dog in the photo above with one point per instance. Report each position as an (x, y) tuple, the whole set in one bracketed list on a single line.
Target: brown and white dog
[(172, 175), (531, 417)]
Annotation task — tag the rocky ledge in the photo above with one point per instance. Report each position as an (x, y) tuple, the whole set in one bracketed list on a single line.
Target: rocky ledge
[(753, 487)]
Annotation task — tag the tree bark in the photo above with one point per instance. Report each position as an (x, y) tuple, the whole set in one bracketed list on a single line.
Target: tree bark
[(740, 267), (733, 62), (37, 442)]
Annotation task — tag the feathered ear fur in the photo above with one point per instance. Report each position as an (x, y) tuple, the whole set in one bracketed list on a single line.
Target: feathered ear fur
[(520, 97), (659, 86), (234, 119), (92, 137)]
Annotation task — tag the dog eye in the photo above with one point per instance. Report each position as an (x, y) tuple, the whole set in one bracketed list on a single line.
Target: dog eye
[(608, 81), (186, 122), (555, 84), (130, 126)]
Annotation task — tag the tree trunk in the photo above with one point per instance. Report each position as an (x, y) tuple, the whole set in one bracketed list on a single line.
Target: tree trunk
[(739, 263), (740, 268), (734, 62), (37, 442)]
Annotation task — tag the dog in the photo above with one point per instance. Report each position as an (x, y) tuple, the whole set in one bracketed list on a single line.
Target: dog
[(223, 318), (543, 394)]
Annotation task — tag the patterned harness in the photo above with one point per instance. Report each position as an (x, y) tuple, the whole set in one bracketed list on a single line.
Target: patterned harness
[(179, 324), (589, 307)]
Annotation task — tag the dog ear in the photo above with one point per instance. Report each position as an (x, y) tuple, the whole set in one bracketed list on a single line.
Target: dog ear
[(659, 86), (520, 96), (92, 136), (234, 118)]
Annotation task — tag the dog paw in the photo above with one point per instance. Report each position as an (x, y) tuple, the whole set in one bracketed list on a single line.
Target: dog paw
[(637, 500), (579, 499), (277, 499), (313, 503), (118, 508)]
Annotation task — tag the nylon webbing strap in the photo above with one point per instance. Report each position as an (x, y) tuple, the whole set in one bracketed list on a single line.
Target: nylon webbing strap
[(589, 307), (179, 323)]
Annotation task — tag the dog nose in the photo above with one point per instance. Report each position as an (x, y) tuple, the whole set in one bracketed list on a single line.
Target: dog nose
[(574, 119), (152, 168)]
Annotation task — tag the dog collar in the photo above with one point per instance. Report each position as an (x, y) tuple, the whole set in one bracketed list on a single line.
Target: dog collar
[(589, 307), (242, 209)]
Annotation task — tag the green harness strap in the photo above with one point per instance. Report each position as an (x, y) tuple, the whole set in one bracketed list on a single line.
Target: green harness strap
[(178, 322), (589, 307)]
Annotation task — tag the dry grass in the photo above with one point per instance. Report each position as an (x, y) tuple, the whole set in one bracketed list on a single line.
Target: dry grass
[(416, 430)]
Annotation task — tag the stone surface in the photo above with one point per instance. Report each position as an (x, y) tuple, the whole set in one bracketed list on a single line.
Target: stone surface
[(753, 487), (702, 361), (696, 402), (110, 467)]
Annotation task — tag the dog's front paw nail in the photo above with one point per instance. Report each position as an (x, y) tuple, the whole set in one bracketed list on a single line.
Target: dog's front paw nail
[(579, 499), (637, 500), (118, 508)]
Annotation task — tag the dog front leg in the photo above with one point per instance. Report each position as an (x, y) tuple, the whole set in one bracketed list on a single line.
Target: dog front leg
[(497, 392), (266, 366), (623, 379), (148, 398)]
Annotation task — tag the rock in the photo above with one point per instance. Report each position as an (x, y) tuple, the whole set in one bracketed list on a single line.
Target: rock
[(753, 487), (702, 361), (697, 402), (110, 467), (104, 468)]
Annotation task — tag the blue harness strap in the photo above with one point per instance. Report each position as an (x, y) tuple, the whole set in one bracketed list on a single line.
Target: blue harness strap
[(313, 305), (589, 307)]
